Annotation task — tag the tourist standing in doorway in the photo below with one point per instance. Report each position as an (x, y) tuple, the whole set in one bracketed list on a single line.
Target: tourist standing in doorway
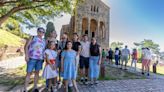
[(125, 56), (84, 59), (94, 61), (134, 58), (34, 50), (68, 66)]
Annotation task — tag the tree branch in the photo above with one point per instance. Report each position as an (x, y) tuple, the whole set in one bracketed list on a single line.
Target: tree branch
[(16, 9), (3, 2)]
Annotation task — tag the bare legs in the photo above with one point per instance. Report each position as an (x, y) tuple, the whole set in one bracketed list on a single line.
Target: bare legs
[(27, 79), (66, 85)]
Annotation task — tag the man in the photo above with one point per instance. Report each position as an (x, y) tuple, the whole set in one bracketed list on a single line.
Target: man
[(125, 56), (84, 59), (61, 47), (34, 49)]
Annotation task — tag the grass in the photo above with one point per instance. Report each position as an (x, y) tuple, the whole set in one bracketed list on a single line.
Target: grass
[(160, 69), (112, 73), (7, 38), (15, 77)]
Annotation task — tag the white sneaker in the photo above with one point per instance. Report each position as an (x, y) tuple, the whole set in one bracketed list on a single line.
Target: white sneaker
[(60, 85), (54, 88)]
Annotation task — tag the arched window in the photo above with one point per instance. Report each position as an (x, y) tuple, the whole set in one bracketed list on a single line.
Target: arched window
[(97, 9)]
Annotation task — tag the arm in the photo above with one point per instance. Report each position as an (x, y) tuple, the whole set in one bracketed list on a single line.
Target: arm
[(26, 48), (99, 62), (79, 50)]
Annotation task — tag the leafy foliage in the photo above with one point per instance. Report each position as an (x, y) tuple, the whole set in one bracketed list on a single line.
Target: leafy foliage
[(116, 44), (149, 44), (35, 12)]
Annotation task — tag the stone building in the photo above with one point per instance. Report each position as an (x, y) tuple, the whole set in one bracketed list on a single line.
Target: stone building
[(92, 18)]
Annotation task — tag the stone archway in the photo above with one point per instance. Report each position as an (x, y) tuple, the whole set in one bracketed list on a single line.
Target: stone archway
[(93, 27), (85, 26)]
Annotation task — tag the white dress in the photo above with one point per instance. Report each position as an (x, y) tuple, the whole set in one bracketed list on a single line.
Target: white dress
[(48, 72)]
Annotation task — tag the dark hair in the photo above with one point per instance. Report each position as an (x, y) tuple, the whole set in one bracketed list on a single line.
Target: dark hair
[(85, 35), (40, 28), (75, 34), (49, 44), (67, 44)]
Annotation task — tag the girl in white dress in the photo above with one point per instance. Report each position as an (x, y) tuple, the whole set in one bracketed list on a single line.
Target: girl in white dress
[(50, 71)]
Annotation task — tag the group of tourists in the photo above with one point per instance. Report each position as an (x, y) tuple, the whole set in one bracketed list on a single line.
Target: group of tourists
[(63, 59), (122, 57)]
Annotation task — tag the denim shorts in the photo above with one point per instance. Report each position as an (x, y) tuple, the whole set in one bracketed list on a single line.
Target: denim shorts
[(34, 64)]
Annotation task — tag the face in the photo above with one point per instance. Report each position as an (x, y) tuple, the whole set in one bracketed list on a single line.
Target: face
[(69, 45), (53, 34), (40, 33), (75, 37), (85, 38), (64, 37), (52, 45), (93, 40)]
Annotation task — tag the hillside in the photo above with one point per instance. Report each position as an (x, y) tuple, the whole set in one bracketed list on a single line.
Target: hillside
[(7, 38)]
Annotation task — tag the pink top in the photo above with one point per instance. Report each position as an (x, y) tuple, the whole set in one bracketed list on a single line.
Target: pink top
[(36, 48)]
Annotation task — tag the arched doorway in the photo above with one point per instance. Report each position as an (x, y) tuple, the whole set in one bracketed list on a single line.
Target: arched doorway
[(102, 30), (85, 26), (93, 27)]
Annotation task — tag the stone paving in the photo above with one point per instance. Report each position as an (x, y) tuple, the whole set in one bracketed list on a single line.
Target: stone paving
[(137, 85)]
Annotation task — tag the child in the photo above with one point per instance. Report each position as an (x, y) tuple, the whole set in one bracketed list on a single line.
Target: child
[(50, 71), (68, 66)]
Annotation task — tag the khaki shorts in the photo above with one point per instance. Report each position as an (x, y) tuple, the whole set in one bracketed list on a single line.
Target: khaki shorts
[(124, 58)]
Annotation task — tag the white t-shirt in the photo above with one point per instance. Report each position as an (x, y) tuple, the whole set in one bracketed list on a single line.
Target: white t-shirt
[(147, 54), (117, 52), (51, 54), (85, 49), (125, 52)]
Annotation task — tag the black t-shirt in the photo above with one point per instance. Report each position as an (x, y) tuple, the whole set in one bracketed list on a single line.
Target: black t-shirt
[(76, 46), (94, 50), (110, 53)]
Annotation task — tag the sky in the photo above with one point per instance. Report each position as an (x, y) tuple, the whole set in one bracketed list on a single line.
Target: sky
[(131, 21)]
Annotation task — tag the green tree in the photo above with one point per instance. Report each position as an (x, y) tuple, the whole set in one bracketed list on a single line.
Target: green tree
[(149, 44), (116, 44), (34, 12), (49, 28)]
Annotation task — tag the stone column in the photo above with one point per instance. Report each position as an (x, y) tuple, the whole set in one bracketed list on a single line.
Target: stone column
[(89, 25), (98, 32)]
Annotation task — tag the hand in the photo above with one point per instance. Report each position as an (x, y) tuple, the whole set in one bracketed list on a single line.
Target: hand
[(62, 69), (99, 62), (26, 58)]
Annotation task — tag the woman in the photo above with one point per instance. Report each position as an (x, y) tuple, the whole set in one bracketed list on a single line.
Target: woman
[(116, 56), (68, 66), (134, 58), (94, 61), (34, 51)]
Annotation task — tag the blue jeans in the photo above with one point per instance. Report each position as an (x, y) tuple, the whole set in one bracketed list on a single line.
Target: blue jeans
[(94, 67), (116, 59), (34, 64)]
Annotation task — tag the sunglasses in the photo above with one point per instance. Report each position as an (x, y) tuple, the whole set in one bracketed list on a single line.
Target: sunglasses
[(41, 31)]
